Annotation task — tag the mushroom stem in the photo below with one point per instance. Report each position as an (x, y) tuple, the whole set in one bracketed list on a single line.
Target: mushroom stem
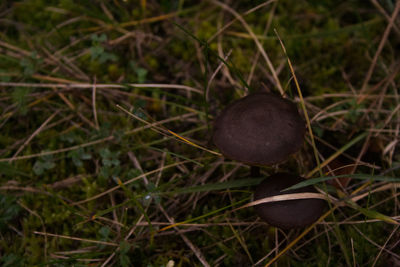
[(255, 171)]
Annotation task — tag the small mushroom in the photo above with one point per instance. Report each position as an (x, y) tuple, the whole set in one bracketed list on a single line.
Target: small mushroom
[(287, 214), (259, 129)]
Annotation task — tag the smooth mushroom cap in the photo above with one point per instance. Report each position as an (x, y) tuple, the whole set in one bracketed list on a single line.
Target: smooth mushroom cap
[(289, 213), (259, 129)]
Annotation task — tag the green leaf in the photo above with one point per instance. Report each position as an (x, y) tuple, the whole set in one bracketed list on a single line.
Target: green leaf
[(141, 75), (124, 247), (85, 156), (96, 52), (104, 233), (99, 38), (42, 164), (28, 66), (107, 162), (105, 56), (48, 165), (115, 162), (38, 168), (105, 172), (78, 155), (102, 38), (105, 152), (77, 162)]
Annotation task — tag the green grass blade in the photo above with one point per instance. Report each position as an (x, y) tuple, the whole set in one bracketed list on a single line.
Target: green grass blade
[(9, 170), (176, 155), (133, 197), (206, 215), (217, 186), (358, 176), (372, 213)]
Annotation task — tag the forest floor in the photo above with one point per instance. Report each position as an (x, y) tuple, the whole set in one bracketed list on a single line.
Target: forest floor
[(106, 123)]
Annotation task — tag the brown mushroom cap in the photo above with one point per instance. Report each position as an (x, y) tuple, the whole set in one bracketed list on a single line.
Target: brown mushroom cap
[(259, 129), (287, 214)]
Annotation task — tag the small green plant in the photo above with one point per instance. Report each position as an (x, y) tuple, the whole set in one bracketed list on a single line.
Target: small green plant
[(30, 64), (78, 156), (98, 52), (104, 233), (110, 164), (141, 73), (123, 255), (43, 164)]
